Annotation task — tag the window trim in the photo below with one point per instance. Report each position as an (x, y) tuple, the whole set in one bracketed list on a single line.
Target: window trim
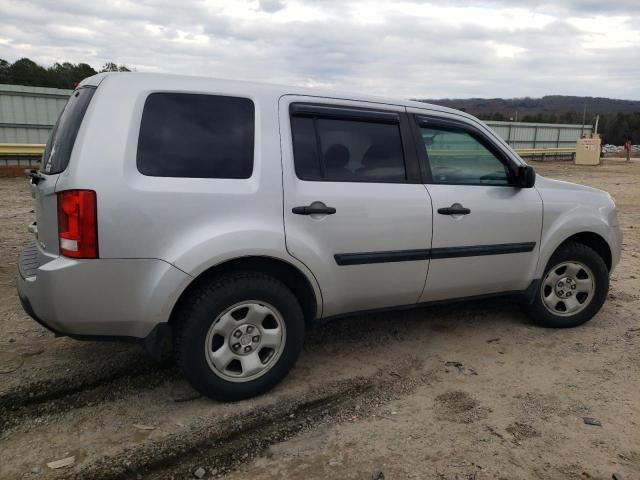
[(336, 112), (360, 114), (421, 120)]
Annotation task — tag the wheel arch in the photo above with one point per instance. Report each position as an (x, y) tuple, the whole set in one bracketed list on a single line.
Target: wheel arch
[(284, 271), (593, 241)]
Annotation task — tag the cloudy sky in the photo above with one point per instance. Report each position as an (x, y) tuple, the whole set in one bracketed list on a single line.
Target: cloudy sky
[(416, 49)]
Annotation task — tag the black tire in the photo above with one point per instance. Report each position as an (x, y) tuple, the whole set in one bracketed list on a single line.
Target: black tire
[(206, 303), (572, 252)]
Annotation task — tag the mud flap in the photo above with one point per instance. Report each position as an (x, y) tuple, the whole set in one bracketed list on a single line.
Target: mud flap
[(529, 295), (159, 343)]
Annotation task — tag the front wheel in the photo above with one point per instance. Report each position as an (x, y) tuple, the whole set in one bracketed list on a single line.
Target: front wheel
[(573, 288), (239, 335)]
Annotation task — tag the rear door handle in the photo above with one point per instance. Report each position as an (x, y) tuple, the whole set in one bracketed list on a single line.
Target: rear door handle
[(454, 210), (314, 209)]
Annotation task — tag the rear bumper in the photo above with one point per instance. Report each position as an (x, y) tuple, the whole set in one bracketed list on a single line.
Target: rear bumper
[(26, 305), (102, 298)]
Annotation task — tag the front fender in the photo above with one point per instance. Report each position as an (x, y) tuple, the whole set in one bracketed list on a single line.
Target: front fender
[(559, 224)]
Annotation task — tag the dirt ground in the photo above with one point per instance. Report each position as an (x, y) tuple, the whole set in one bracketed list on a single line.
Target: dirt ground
[(468, 391)]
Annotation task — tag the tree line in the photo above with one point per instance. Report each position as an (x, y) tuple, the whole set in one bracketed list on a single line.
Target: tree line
[(614, 128), (59, 75)]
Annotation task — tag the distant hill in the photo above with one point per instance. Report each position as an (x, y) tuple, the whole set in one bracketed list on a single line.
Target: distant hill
[(548, 104), (618, 118)]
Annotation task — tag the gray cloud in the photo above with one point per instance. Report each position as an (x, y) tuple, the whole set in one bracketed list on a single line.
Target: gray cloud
[(404, 49), (271, 6)]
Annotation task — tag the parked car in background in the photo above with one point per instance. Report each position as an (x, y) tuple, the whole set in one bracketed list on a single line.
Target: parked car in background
[(608, 148), (229, 217)]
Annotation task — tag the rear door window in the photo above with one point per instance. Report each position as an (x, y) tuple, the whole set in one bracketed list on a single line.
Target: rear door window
[(196, 136), (347, 149), (63, 136)]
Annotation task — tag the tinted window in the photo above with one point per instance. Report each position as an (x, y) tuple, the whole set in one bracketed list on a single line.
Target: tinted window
[(60, 144), (305, 148), (457, 157), (347, 150), (197, 136)]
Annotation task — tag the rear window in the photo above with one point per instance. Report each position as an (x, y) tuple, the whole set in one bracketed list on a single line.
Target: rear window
[(196, 136), (58, 150)]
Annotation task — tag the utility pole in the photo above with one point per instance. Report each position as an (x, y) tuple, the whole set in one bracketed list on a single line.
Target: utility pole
[(584, 117)]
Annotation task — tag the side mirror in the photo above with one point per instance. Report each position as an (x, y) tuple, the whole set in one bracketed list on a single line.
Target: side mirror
[(526, 176)]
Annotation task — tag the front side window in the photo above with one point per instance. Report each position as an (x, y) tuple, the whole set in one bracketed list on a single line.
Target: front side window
[(346, 150), (196, 136), (456, 157)]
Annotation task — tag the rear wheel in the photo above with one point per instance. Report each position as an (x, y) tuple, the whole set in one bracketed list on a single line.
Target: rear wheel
[(573, 288), (239, 335)]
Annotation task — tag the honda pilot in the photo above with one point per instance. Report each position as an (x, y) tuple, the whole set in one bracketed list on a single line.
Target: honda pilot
[(224, 219)]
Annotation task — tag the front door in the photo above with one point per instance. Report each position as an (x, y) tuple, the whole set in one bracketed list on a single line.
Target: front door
[(355, 210), (486, 230)]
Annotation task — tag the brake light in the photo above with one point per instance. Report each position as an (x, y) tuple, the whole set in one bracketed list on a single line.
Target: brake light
[(78, 224)]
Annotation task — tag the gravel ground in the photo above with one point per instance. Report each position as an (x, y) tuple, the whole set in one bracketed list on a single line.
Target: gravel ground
[(466, 391)]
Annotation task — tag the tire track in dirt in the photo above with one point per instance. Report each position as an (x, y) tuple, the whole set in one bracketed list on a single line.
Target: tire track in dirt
[(56, 396), (225, 444)]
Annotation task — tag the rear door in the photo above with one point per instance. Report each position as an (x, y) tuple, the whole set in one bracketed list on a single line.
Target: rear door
[(486, 230), (355, 210), (54, 161)]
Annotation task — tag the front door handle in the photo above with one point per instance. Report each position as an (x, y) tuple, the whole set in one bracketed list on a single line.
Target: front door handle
[(455, 209), (314, 208)]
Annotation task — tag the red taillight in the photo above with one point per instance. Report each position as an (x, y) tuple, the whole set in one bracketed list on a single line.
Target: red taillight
[(78, 224)]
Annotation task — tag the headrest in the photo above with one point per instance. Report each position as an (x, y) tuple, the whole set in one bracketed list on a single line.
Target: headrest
[(378, 155), (337, 156)]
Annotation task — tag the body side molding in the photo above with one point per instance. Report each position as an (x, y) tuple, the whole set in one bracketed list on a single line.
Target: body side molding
[(363, 258)]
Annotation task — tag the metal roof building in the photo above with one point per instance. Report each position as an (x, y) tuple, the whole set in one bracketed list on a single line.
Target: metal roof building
[(520, 135), (27, 114)]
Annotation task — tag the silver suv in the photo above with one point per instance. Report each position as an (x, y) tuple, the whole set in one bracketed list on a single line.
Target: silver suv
[(225, 218)]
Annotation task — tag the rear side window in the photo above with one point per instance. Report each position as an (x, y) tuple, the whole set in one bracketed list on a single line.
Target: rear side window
[(58, 150), (196, 136), (346, 150)]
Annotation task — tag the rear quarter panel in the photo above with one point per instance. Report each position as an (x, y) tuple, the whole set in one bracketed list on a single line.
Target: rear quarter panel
[(191, 223)]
